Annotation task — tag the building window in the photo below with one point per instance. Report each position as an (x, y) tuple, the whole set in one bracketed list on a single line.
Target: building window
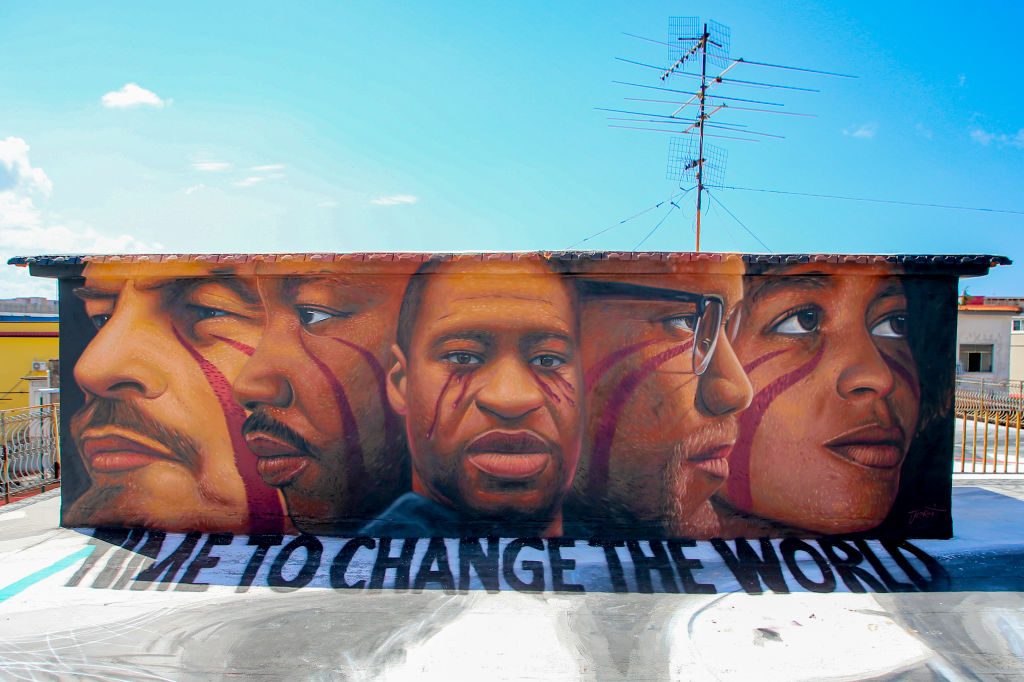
[(975, 358), (1017, 325)]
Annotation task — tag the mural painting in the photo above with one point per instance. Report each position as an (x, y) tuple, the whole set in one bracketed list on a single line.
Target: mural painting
[(510, 395)]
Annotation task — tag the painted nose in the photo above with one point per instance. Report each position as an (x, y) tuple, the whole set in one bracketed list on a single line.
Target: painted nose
[(128, 357), (724, 388), (510, 390), (864, 371), (265, 377)]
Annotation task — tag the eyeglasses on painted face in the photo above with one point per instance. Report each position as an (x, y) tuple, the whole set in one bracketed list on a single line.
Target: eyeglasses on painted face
[(709, 312)]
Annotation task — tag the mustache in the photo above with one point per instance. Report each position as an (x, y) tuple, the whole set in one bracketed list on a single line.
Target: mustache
[(260, 421), (99, 412), (723, 431)]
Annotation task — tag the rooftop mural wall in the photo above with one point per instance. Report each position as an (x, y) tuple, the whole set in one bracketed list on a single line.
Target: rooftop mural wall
[(514, 395)]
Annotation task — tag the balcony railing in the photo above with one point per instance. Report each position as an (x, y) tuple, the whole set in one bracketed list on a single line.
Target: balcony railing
[(31, 448), (988, 425)]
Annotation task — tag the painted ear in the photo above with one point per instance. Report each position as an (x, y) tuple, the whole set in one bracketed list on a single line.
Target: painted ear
[(397, 381)]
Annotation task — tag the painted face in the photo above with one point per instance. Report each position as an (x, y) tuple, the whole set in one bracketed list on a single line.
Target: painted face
[(836, 400), (159, 433), (490, 391), (320, 423), (662, 418)]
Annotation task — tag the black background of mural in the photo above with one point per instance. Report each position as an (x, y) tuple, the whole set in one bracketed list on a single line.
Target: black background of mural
[(76, 332)]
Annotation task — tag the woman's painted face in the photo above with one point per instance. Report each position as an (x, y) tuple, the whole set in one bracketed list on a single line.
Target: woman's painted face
[(836, 399)]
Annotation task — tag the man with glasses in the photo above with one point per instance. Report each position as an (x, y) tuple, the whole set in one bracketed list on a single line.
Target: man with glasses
[(663, 390)]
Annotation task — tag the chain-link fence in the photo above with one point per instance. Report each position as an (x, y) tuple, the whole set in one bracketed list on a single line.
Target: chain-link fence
[(31, 450)]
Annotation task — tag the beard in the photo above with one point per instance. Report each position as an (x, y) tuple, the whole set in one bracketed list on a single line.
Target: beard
[(687, 509)]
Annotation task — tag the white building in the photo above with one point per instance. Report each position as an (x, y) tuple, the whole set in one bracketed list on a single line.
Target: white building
[(990, 339)]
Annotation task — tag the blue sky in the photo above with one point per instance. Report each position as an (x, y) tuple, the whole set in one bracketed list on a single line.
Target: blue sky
[(465, 125)]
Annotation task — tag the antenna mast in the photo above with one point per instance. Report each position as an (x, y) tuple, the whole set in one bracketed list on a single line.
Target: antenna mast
[(700, 125)]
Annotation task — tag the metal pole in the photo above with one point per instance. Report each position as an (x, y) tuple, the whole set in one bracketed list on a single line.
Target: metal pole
[(974, 444), (700, 151), (985, 460), (7, 480), (1018, 443), (963, 445)]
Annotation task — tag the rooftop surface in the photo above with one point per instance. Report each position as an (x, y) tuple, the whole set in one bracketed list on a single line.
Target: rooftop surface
[(970, 261), (71, 605)]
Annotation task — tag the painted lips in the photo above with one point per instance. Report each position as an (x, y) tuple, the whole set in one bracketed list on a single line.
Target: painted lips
[(713, 461), (873, 446), (516, 456), (110, 450), (279, 463)]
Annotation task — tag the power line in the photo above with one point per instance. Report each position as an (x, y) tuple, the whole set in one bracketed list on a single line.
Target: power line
[(655, 228), (635, 215), (740, 222), (875, 201)]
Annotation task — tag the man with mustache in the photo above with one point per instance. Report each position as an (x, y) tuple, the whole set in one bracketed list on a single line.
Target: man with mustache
[(159, 433), (836, 403), (663, 390), (320, 423), (487, 374)]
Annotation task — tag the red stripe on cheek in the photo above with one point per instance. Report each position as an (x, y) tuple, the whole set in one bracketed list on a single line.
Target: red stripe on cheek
[(464, 380), (237, 345), (757, 362), (604, 434), (568, 390), (440, 399), (547, 389), (391, 428), (353, 448), (265, 513), (595, 373), (903, 373), (738, 483)]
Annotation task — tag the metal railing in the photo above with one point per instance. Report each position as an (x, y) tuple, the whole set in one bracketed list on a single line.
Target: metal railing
[(30, 448), (988, 426)]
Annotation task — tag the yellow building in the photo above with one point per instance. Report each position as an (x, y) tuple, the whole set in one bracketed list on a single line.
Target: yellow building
[(27, 342)]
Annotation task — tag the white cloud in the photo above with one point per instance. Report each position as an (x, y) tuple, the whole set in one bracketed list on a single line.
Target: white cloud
[(268, 168), (16, 172), (249, 181), (328, 203), (986, 137), (395, 200), (26, 229), (211, 166), (864, 131), (961, 80), (194, 188), (132, 95)]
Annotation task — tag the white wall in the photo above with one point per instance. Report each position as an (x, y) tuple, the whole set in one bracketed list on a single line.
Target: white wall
[(1017, 356), (987, 329)]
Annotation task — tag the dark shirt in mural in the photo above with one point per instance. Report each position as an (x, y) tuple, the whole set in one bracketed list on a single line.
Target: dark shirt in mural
[(414, 516)]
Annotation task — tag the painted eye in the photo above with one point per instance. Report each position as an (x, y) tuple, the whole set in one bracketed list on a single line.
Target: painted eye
[(804, 321), (892, 327), (99, 320), (547, 361), (205, 313), (686, 323), (462, 358), (308, 315)]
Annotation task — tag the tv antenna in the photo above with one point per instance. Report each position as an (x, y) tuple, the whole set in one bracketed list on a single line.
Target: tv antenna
[(700, 50), (684, 44)]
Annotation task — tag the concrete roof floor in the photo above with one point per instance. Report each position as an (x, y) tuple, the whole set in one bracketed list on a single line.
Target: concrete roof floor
[(60, 619)]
